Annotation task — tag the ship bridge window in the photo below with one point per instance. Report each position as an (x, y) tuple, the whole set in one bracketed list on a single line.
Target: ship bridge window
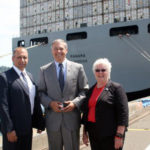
[(39, 41), (149, 28), (21, 43), (124, 30), (76, 36)]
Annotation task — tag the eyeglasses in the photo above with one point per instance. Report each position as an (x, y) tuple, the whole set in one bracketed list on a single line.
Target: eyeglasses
[(100, 70)]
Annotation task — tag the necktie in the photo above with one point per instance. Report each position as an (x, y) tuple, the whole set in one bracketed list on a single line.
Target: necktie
[(61, 77), (25, 80)]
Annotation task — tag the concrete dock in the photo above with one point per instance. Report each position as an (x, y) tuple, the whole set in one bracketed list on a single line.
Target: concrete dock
[(136, 111)]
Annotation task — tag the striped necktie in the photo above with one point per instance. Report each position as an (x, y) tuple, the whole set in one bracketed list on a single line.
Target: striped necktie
[(24, 79)]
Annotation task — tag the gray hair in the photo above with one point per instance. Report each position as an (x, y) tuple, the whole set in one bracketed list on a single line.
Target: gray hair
[(60, 41), (105, 62)]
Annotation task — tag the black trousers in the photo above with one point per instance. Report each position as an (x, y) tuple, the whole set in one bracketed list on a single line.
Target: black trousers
[(23, 143), (98, 142)]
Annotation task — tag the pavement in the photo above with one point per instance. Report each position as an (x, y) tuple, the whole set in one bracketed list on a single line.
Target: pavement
[(138, 135), (136, 110)]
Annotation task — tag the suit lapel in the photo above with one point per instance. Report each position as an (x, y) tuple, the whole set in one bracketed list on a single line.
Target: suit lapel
[(30, 76), (32, 80), (52, 70), (25, 88), (104, 92), (90, 92), (19, 81), (68, 75)]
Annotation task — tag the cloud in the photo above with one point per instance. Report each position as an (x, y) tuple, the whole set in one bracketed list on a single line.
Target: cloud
[(9, 15)]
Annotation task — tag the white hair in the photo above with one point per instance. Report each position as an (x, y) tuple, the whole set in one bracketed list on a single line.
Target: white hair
[(105, 62)]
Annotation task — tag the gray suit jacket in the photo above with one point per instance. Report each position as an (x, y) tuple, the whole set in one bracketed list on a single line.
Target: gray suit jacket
[(75, 85)]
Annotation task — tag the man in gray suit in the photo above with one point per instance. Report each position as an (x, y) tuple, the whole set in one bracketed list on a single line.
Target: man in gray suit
[(62, 87)]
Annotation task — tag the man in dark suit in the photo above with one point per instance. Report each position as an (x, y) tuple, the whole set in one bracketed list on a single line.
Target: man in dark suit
[(20, 108)]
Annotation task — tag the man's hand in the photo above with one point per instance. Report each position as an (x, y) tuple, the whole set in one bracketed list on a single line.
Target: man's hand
[(56, 106), (70, 106), (11, 136)]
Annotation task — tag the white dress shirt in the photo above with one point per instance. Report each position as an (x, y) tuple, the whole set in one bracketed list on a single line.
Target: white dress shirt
[(31, 86)]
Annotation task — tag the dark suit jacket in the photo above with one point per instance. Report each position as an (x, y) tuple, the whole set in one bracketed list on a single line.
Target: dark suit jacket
[(15, 109), (111, 109)]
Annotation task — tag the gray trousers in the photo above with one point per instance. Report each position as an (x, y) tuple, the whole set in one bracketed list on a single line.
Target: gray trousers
[(63, 139)]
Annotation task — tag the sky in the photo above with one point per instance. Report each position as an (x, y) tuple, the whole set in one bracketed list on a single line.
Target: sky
[(9, 28)]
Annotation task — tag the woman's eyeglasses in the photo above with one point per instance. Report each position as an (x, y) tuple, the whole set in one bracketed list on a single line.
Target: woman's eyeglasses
[(100, 70)]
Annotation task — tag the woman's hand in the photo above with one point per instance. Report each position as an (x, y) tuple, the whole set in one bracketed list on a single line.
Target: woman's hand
[(119, 139), (118, 142), (85, 138)]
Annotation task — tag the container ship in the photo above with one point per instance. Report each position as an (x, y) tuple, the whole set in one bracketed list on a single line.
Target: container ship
[(116, 29)]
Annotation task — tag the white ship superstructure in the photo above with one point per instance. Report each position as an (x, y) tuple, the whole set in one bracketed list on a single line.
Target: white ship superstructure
[(41, 16), (116, 29)]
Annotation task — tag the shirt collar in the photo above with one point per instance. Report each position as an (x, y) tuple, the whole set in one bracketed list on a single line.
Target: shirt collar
[(18, 70), (64, 63)]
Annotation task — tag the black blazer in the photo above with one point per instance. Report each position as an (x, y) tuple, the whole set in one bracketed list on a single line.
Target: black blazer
[(111, 109), (15, 109)]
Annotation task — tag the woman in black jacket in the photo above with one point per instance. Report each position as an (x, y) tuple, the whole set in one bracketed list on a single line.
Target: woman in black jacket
[(105, 110)]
